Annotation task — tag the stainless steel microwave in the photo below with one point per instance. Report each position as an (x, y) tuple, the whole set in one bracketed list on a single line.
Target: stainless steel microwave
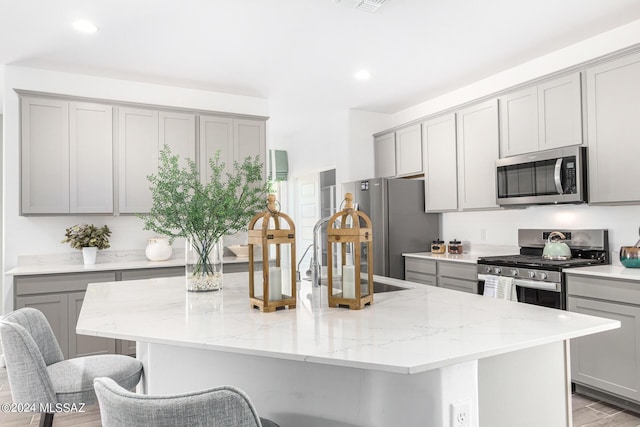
[(545, 177)]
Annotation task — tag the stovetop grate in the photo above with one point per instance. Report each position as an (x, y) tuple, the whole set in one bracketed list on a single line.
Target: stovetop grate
[(537, 261)]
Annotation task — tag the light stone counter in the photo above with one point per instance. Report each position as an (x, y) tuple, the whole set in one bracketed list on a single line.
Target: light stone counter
[(469, 257), (106, 261), (606, 272), (306, 366)]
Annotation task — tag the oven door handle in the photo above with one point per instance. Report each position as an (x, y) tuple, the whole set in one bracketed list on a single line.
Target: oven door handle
[(532, 284), (557, 176)]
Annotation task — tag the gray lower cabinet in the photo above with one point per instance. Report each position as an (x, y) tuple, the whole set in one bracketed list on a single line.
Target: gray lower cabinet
[(59, 297), (458, 276), (420, 271), (609, 361)]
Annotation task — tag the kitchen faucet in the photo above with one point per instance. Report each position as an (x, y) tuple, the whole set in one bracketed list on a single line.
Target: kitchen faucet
[(316, 263)]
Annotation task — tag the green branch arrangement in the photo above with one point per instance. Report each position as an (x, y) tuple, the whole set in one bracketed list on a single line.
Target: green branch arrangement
[(185, 206)]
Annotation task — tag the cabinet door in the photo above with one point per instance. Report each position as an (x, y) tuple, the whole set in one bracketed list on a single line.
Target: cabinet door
[(560, 112), (55, 308), (178, 131), (409, 151), (85, 345), (216, 134), (90, 158), (613, 102), (137, 157), (385, 155), (608, 360), (44, 156), (519, 122), (440, 163), (477, 155), (470, 287), (249, 140)]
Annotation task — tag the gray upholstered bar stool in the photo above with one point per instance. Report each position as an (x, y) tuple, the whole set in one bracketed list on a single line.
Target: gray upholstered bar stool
[(223, 406), (39, 375)]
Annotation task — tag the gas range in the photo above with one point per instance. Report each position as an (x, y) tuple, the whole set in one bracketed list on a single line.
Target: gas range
[(541, 281)]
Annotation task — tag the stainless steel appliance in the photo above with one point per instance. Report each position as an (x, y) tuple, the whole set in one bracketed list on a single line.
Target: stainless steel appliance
[(396, 209), (541, 281), (545, 177)]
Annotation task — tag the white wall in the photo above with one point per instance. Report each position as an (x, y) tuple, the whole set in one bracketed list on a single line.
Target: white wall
[(42, 235), (362, 126)]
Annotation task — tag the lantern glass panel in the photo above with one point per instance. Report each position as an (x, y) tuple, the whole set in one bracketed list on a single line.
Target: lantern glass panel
[(364, 268)]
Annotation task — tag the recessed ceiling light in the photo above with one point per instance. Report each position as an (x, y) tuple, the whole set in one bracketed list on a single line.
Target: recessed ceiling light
[(362, 75), (85, 26)]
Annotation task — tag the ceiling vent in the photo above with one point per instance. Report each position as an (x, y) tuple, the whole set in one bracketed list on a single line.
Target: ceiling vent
[(369, 5), (365, 5)]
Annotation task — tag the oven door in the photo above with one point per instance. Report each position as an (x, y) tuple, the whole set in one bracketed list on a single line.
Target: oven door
[(546, 294)]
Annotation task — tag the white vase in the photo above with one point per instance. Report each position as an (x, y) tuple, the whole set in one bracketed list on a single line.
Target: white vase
[(89, 255), (158, 249)]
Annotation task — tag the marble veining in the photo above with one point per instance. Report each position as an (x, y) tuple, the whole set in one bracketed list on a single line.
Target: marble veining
[(409, 331)]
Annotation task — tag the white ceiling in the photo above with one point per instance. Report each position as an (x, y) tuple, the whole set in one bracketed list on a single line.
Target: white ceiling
[(302, 52)]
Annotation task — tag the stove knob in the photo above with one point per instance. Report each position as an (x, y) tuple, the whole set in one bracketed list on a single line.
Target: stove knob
[(543, 276), (497, 270), (487, 269), (532, 274), (514, 272)]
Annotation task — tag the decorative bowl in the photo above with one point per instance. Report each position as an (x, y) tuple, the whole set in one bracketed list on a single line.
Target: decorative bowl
[(241, 251), (630, 256)]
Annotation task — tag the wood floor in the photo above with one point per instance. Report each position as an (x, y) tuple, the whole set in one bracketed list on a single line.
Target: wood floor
[(586, 413)]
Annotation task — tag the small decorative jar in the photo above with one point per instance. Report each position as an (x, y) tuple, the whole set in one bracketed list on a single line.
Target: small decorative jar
[(158, 249), (455, 246), (438, 247)]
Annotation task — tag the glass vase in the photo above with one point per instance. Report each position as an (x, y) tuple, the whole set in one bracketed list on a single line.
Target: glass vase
[(203, 265)]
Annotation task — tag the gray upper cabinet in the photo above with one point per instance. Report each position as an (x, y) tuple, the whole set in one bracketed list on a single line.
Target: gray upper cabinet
[(216, 134), (67, 164), (91, 158), (45, 156), (541, 117), (409, 151), (236, 139), (440, 161), (142, 134), (384, 148), (138, 157), (178, 131), (519, 122), (477, 154), (613, 103), (249, 140), (560, 112)]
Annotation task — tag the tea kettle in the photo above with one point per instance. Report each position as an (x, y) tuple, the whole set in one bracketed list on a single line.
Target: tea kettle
[(555, 249)]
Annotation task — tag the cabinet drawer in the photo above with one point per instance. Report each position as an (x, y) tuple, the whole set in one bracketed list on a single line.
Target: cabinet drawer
[(425, 279), (458, 270), (459, 285), (30, 285), (151, 273), (625, 291), (420, 265)]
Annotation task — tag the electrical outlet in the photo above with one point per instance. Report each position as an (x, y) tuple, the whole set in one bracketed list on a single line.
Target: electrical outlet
[(460, 413)]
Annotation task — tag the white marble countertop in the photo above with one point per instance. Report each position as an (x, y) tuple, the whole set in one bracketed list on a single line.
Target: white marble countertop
[(103, 263), (470, 257), (607, 272), (407, 331)]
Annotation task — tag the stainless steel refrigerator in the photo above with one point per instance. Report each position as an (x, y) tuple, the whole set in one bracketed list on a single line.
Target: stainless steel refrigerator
[(400, 225)]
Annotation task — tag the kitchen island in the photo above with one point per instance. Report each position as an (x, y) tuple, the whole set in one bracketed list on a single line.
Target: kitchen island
[(402, 361)]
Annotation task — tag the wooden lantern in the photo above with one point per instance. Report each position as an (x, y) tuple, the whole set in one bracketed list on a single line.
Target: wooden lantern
[(272, 281), (350, 238)]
